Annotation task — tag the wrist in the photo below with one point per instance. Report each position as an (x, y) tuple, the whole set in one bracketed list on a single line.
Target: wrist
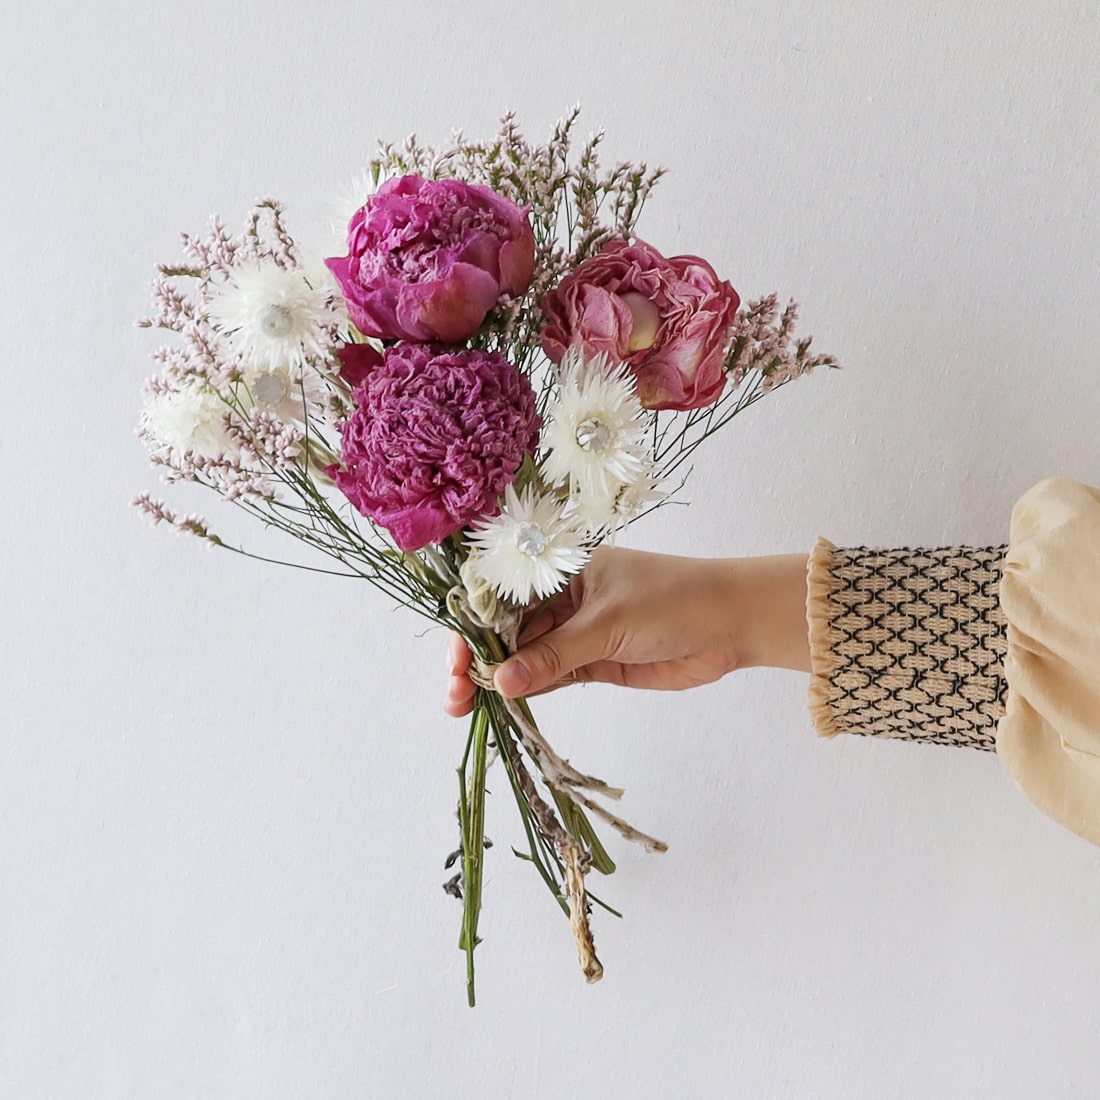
[(769, 609)]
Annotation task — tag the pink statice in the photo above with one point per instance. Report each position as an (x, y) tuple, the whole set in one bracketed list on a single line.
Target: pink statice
[(763, 340), (428, 259), (191, 524), (436, 436)]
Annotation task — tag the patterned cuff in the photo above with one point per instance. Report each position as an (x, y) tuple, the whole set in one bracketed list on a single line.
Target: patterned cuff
[(907, 643)]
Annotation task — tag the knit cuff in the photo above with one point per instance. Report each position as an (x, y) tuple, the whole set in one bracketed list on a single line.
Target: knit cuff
[(907, 643)]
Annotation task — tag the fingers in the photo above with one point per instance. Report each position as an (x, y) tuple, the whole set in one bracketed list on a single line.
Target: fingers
[(460, 696), (458, 655), (460, 688), (554, 613), (552, 657)]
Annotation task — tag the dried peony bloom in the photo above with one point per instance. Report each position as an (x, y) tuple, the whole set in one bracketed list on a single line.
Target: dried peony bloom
[(428, 259), (666, 319), (436, 436), (356, 362)]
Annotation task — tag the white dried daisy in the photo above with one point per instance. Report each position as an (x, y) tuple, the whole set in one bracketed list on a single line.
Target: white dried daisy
[(272, 317), (317, 274), (349, 198), (595, 431), (290, 394), (528, 550), (187, 421), (331, 239), (604, 515)]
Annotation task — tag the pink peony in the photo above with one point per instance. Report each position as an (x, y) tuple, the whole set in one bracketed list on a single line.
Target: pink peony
[(428, 259), (356, 362), (436, 436), (667, 319)]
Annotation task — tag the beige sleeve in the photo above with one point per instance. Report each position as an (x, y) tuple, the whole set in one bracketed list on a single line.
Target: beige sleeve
[(995, 647), (907, 643), (1050, 736)]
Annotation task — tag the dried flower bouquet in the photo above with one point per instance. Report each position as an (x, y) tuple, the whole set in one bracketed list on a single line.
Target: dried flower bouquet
[(497, 377)]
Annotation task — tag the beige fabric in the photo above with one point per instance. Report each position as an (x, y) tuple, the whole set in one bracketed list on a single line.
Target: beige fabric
[(1049, 737), (1049, 596), (907, 643)]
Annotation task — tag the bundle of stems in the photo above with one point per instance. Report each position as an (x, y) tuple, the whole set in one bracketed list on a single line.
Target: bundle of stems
[(562, 843)]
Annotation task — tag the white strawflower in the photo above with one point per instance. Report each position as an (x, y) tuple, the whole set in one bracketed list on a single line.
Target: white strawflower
[(316, 272), (528, 550), (350, 197), (599, 515), (595, 431), (188, 421), (272, 317), (331, 238), (289, 394)]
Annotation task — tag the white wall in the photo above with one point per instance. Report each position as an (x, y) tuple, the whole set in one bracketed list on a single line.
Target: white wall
[(226, 790)]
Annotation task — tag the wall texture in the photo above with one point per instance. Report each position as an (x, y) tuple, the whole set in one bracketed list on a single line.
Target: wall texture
[(226, 790)]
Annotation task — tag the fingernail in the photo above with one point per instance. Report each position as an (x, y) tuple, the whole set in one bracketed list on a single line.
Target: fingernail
[(513, 677)]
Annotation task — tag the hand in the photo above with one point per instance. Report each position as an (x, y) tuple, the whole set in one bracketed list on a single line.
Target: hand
[(654, 621)]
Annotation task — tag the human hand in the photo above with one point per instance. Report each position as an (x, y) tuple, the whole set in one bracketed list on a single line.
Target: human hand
[(653, 621)]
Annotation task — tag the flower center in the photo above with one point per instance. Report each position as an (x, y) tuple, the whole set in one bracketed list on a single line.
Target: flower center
[(530, 540), (269, 389), (593, 435), (628, 502), (646, 321), (276, 322)]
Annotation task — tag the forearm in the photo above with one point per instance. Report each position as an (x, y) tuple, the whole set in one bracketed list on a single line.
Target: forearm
[(769, 594), (900, 643)]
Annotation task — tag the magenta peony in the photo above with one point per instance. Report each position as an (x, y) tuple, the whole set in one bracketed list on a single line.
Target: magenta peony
[(436, 436), (667, 319), (356, 362), (428, 259)]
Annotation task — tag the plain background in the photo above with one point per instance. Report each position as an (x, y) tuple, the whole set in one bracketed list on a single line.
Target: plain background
[(226, 790)]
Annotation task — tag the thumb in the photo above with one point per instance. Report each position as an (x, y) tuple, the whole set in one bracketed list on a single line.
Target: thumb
[(543, 662)]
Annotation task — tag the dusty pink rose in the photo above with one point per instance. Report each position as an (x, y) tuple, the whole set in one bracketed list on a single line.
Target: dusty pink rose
[(437, 435), (667, 319), (428, 259)]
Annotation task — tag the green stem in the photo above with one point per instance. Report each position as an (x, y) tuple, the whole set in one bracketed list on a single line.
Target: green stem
[(472, 820), (573, 816)]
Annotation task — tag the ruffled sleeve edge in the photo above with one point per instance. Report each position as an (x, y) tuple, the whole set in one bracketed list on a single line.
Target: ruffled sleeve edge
[(822, 660)]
